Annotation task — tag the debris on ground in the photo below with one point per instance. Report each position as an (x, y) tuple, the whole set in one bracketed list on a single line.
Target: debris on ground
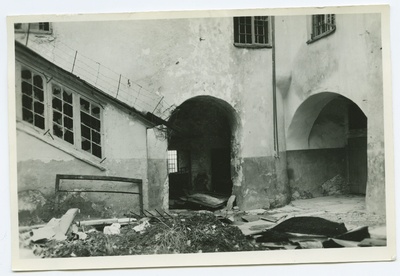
[(184, 233), (113, 229), (55, 228), (187, 231), (208, 200)]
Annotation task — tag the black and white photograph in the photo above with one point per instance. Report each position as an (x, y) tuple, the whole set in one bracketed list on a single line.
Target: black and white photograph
[(235, 137)]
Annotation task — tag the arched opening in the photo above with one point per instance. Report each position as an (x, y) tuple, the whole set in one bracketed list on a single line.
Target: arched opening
[(199, 147), (327, 147)]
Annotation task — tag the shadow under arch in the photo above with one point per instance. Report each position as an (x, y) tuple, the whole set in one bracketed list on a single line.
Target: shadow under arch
[(205, 141), (327, 146)]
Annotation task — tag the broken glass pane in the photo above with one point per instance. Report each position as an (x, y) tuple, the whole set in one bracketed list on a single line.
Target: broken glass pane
[(68, 123), (27, 102), (85, 145), (38, 94), (69, 136), (26, 74), (39, 121), (38, 81), (85, 105), (38, 108), (27, 115), (85, 132), (86, 119), (96, 150), (57, 91), (57, 104), (57, 117), (67, 96), (96, 137), (26, 88), (96, 111), (95, 124), (57, 130), (68, 109)]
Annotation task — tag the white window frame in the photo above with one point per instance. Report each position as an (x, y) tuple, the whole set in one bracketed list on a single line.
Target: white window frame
[(47, 134)]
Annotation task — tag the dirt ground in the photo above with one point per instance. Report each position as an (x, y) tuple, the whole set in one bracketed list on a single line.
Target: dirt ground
[(348, 209)]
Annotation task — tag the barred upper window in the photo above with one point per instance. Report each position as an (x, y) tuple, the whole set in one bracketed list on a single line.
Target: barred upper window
[(322, 25), (36, 27), (251, 31), (172, 161)]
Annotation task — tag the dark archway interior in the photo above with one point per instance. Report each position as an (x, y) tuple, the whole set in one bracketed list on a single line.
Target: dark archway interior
[(327, 153), (341, 124), (201, 140)]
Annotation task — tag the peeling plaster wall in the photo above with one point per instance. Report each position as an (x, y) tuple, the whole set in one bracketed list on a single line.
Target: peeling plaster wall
[(348, 63), (124, 141), (308, 170), (157, 170), (184, 58)]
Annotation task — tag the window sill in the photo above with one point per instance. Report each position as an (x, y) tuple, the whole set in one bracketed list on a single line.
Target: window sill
[(328, 33), (21, 126), (252, 46)]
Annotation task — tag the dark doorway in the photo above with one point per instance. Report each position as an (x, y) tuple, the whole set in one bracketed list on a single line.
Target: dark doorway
[(201, 135), (357, 150), (357, 158), (220, 170)]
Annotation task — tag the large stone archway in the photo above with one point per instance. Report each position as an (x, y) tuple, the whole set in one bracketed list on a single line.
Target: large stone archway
[(203, 141)]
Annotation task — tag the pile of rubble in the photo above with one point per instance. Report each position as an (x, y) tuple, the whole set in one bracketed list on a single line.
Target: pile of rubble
[(272, 230), (187, 231)]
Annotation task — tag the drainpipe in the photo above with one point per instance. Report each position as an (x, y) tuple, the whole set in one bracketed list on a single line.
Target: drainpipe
[(275, 113), (27, 34)]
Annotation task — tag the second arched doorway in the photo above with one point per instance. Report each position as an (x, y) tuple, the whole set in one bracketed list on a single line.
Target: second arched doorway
[(327, 147)]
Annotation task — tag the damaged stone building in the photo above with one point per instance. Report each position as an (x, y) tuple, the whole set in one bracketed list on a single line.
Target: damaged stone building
[(267, 108)]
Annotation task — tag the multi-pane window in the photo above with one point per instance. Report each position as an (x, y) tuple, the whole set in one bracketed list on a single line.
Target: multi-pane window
[(90, 127), (53, 108), (172, 161), (44, 26), (62, 104), (322, 24), (32, 98), (251, 30), (37, 27)]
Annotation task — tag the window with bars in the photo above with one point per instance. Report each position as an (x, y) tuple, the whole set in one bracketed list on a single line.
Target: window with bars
[(32, 98), (322, 25), (252, 31), (52, 108), (172, 161), (37, 27)]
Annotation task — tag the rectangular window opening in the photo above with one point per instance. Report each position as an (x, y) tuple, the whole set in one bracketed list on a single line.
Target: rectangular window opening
[(65, 115), (90, 127), (32, 98), (172, 161), (251, 31), (322, 25), (62, 114)]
